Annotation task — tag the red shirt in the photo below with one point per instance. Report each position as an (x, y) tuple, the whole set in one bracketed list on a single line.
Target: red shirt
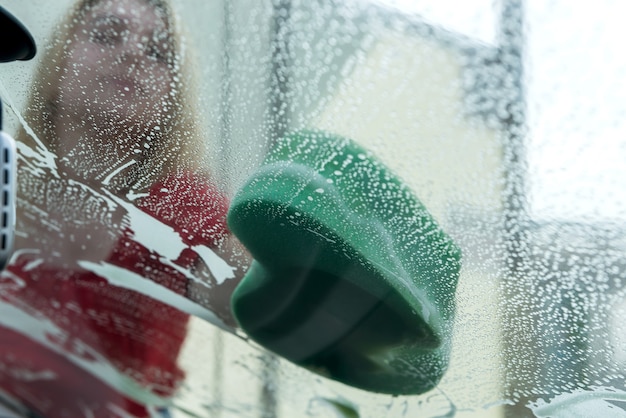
[(94, 320)]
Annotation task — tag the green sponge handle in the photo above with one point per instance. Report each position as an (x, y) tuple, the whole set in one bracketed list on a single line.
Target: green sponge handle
[(352, 277)]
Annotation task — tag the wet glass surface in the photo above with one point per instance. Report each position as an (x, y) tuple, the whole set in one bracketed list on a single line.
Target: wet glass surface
[(309, 209)]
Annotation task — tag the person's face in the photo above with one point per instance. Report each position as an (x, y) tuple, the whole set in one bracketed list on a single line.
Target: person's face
[(116, 90), (119, 66)]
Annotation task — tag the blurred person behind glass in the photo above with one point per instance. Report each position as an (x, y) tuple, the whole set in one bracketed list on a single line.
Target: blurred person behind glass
[(113, 129)]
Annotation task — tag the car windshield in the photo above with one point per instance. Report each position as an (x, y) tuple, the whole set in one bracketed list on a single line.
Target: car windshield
[(288, 208)]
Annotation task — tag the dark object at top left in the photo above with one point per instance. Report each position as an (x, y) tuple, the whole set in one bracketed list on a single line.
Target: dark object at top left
[(16, 42)]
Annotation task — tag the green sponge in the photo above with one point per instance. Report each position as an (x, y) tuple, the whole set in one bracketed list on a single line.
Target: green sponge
[(352, 277)]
